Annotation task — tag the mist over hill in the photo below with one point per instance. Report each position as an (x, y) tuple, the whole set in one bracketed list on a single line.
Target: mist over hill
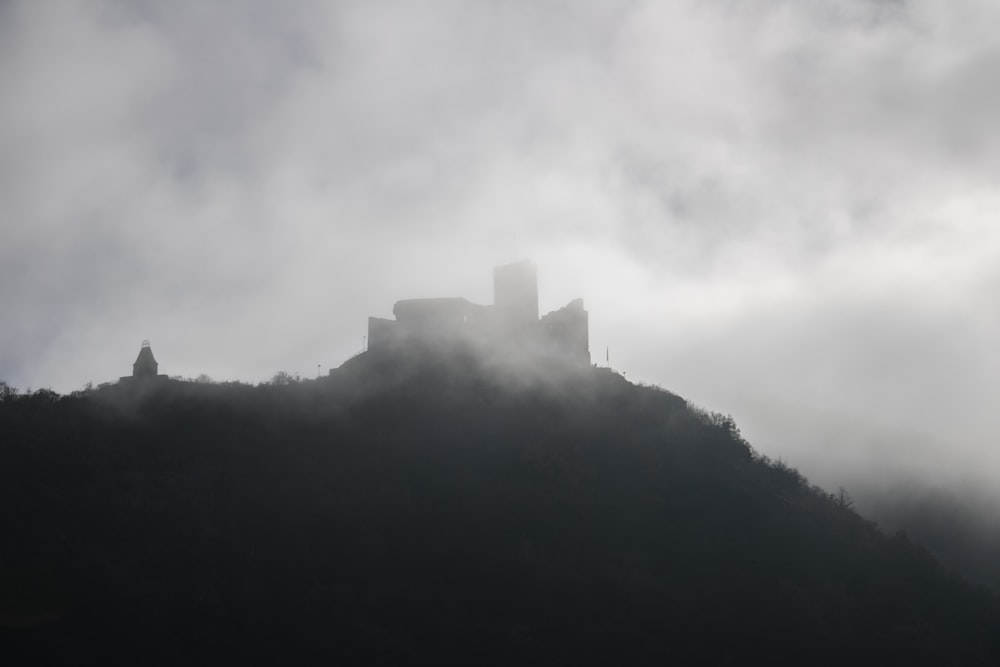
[(438, 507), (959, 525)]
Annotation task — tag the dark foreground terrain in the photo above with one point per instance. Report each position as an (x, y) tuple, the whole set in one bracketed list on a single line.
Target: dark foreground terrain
[(435, 513)]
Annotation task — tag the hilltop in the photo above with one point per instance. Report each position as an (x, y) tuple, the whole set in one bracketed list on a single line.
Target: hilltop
[(433, 507)]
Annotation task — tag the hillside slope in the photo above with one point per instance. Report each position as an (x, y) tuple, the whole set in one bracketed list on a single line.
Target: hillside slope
[(435, 511)]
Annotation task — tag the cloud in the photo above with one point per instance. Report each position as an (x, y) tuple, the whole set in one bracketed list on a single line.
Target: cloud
[(777, 208)]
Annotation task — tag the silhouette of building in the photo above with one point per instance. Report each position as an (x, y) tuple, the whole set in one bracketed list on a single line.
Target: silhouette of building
[(145, 366), (511, 324), (567, 330)]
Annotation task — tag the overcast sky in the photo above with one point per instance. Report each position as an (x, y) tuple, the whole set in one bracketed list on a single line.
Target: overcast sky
[(782, 210)]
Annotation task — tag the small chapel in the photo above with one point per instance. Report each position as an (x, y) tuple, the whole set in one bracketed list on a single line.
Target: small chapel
[(145, 366)]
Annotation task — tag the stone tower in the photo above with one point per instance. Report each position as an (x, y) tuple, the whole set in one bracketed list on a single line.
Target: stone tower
[(145, 365)]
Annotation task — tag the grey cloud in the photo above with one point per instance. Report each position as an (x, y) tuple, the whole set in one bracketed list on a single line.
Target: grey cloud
[(773, 207)]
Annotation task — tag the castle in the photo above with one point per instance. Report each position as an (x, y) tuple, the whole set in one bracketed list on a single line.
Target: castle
[(510, 325)]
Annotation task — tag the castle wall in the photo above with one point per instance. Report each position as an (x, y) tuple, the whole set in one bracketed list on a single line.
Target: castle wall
[(567, 331), (382, 333), (433, 319)]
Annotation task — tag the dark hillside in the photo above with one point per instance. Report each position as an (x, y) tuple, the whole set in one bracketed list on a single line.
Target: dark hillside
[(431, 512), (960, 526)]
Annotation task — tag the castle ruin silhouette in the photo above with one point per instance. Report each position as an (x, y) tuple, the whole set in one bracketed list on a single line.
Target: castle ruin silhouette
[(511, 324)]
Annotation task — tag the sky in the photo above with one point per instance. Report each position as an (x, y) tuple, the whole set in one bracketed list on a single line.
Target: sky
[(783, 210)]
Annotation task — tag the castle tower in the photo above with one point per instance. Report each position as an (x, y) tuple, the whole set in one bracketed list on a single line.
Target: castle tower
[(145, 364), (515, 293)]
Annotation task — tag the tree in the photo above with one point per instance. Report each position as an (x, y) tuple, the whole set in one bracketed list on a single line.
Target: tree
[(843, 498), (282, 378), (7, 392)]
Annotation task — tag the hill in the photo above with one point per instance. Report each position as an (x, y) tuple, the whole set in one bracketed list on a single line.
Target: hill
[(436, 509), (960, 526)]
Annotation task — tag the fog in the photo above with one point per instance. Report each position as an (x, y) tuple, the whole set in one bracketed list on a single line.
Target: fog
[(780, 210)]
